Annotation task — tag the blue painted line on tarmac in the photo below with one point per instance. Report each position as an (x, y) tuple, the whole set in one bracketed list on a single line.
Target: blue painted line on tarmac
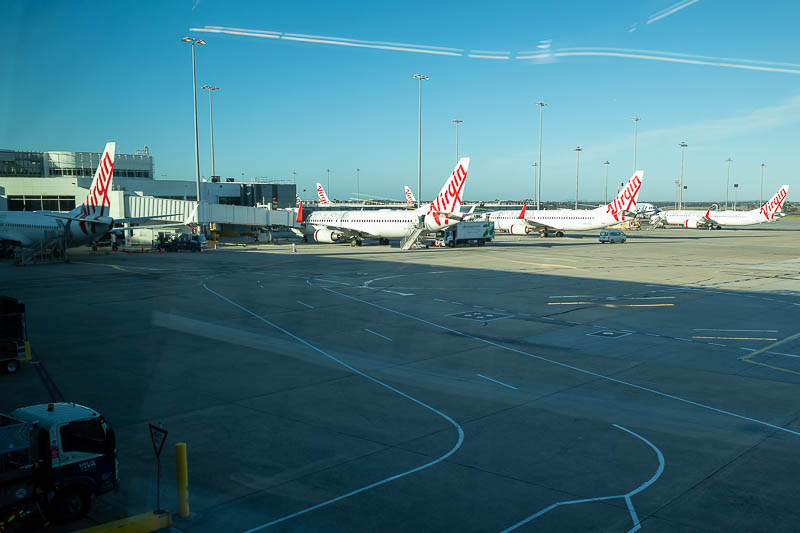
[(575, 368), (378, 334), (498, 382), (353, 369)]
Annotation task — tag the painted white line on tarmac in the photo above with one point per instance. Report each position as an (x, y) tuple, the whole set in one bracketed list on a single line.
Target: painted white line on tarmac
[(716, 344), (303, 303), (353, 369), (572, 367), (378, 334), (626, 496), (498, 382)]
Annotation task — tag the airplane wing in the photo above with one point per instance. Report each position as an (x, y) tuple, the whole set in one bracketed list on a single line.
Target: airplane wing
[(154, 217), (97, 220), (349, 233), (14, 239), (538, 226)]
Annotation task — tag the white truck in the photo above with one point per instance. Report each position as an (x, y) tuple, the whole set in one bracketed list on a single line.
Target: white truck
[(469, 233)]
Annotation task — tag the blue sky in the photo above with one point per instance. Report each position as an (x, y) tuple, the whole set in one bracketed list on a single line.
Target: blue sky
[(77, 75)]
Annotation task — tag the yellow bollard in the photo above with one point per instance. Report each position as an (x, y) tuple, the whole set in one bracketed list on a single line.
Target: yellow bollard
[(182, 479)]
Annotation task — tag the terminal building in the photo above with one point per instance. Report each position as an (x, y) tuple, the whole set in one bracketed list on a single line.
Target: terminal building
[(59, 180)]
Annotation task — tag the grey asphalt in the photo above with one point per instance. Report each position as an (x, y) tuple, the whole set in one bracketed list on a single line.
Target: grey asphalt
[(550, 384)]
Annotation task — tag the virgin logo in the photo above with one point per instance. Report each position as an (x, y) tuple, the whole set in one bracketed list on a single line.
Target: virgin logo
[(450, 196), (408, 195), (774, 205), (626, 199), (321, 194), (97, 201)]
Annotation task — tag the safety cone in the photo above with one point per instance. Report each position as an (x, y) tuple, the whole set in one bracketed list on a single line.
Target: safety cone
[(294, 247)]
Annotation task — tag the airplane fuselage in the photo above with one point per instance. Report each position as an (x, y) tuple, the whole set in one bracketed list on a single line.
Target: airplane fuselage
[(33, 228), (697, 218), (388, 224), (560, 219)]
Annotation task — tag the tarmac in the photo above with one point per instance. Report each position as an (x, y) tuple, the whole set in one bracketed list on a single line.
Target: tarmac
[(535, 384)]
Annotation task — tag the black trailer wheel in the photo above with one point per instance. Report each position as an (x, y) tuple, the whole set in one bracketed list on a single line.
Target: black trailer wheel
[(12, 366), (71, 504)]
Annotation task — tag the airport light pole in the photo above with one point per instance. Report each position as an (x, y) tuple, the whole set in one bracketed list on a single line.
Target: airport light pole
[(420, 78), (677, 186), (635, 138), (294, 179), (735, 189), (194, 93), (210, 90), (457, 122), (683, 146), (577, 150), (541, 105), (761, 195), (329, 182), (606, 164), (727, 181), (358, 184), (535, 166)]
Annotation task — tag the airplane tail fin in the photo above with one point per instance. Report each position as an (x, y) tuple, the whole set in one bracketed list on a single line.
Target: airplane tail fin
[(625, 202), (410, 196), (451, 196), (775, 204), (323, 198), (522, 213), (98, 203), (299, 219)]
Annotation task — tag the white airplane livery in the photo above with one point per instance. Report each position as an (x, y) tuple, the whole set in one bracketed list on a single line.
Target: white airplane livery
[(410, 200), (384, 224), (713, 219), (323, 198), (558, 220), (83, 225)]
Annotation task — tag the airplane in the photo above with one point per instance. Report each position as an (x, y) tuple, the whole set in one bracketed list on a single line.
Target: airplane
[(323, 198), (557, 221), (713, 219), (410, 200), (355, 226), (83, 225)]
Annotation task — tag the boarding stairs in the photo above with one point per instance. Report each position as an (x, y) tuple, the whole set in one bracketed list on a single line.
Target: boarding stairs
[(50, 250), (413, 235)]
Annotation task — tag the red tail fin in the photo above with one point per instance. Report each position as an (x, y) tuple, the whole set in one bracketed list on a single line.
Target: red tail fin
[(300, 213), (522, 213)]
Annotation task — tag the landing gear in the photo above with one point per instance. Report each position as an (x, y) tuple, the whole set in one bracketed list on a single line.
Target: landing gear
[(384, 242), (559, 234), (355, 242)]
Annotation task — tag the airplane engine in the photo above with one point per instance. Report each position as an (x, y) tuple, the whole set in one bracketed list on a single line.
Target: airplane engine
[(520, 229), (327, 236)]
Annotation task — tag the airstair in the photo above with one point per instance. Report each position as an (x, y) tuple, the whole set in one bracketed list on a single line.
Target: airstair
[(413, 236), (50, 250)]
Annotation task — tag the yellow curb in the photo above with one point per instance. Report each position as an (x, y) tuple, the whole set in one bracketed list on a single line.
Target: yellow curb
[(141, 523)]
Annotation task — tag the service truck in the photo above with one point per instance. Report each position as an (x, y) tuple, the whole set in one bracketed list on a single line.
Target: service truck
[(470, 233), (54, 459)]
